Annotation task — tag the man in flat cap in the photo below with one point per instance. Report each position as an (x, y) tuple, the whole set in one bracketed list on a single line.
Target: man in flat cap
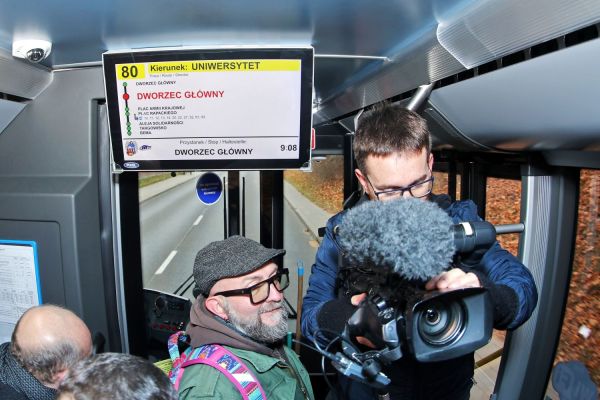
[(241, 308)]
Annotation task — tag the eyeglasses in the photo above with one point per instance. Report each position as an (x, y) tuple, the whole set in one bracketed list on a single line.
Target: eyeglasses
[(419, 189), (260, 292)]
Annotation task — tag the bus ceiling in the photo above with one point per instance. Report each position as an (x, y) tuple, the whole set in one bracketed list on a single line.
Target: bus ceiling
[(507, 75)]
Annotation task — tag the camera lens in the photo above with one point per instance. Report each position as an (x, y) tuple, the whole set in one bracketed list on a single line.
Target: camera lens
[(441, 323), (36, 55), (432, 316)]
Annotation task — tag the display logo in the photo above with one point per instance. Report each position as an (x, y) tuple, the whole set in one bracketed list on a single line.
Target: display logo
[(131, 165), (131, 148)]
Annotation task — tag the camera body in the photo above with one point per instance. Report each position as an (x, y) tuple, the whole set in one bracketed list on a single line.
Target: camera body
[(33, 50), (446, 325), (400, 316)]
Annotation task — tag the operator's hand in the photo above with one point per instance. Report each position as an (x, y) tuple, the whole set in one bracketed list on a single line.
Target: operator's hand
[(356, 300), (456, 278)]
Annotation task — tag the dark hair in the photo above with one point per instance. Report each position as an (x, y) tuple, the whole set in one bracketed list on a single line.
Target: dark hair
[(117, 376), (45, 363), (387, 129)]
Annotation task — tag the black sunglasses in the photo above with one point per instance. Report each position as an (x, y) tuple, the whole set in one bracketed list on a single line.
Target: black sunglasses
[(260, 292)]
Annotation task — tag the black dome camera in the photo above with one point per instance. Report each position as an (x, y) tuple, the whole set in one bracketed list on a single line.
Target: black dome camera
[(36, 55)]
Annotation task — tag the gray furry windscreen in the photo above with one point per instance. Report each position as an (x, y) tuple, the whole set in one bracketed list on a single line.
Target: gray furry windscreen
[(412, 237)]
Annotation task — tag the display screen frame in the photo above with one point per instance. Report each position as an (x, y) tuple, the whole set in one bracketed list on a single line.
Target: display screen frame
[(301, 161)]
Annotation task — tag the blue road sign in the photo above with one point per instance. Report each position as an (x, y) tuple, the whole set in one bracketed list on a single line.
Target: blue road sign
[(209, 188)]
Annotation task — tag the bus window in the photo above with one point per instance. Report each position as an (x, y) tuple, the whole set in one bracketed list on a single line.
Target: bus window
[(311, 198), (324, 186), (503, 206), (174, 225), (441, 184), (579, 340)]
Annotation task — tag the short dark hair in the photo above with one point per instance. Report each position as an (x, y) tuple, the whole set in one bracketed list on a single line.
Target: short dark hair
[(45, 363), (386, 129), (117, 376)]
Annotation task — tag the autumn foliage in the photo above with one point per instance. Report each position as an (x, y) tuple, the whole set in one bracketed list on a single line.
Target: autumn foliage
[(583, 304)]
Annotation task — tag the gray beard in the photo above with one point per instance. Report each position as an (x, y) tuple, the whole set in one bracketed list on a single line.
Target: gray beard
[(254, 328)]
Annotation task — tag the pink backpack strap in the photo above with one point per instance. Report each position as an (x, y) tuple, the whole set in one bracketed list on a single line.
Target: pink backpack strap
[(229, 365), (177, 358)]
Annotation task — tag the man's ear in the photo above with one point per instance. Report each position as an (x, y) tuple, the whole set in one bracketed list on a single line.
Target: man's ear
[(362, 179), (213, 304), (57, 378), (430, 161)]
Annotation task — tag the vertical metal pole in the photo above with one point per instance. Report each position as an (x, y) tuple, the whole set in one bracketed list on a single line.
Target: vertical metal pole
[(299, 305), (465, 179), (106, 231), (473, 186), (452, 179), (225, 201), (277, 207), (243, 219), (233, 208), (350, 181), (133, 286), (549, 212), (271, 209)]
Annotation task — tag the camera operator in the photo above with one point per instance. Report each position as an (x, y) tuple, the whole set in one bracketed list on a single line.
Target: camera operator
[(392, 147)]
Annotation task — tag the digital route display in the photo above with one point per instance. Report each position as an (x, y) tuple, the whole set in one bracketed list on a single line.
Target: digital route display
[(179, 109)]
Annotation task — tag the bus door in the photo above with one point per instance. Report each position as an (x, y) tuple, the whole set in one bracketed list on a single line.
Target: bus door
[(164, 219)]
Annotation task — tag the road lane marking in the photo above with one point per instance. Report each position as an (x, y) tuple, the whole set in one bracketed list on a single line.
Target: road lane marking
[(165, 263), (163, 266)]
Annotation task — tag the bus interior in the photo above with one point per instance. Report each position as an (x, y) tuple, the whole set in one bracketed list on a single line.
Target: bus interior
[(509, 89)]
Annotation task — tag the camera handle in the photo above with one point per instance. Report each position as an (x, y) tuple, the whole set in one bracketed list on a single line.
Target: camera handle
[(377, 321), (355, 369)]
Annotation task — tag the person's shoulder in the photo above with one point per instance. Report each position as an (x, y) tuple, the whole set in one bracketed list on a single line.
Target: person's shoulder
[(294, 359), (291, 354), (254, 361), (336, 218), (463, 210)]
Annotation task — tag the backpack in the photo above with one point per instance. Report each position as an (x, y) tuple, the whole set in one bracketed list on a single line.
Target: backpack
[(217, 357)]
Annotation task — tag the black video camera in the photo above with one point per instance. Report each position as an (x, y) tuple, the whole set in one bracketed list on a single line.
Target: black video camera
[(433, 326), (389, 250), (400, 317)]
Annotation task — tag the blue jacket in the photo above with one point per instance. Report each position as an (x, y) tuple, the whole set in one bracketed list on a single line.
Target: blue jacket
[(509, 282)]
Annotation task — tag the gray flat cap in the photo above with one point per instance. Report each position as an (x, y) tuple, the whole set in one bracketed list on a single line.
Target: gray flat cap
[(234, 256)]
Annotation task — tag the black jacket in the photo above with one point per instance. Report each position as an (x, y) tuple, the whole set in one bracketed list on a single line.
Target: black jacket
[(17, 383), (8, 393)]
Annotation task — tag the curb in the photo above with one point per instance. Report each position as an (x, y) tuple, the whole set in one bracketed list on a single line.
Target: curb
[(313, 216)]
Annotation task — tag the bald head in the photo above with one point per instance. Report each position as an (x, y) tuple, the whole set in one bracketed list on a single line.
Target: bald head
[(47, 340)]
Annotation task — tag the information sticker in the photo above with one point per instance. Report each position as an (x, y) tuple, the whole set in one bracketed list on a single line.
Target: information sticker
[(19, 279)]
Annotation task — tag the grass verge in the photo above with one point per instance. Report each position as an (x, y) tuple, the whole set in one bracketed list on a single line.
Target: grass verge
[(149, 180)]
